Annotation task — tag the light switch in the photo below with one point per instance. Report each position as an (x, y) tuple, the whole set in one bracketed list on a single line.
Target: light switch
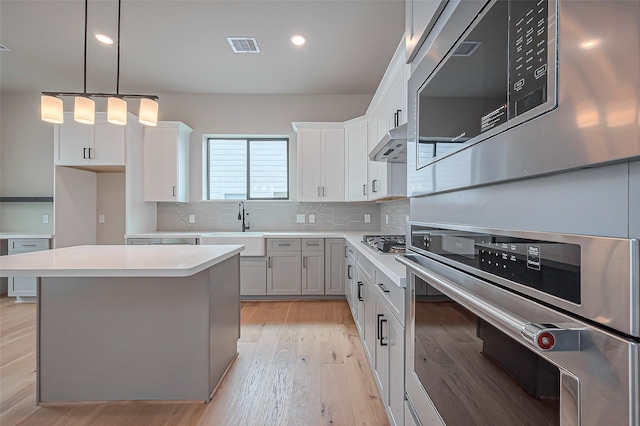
[(45, 218), (312, 218), (386, 219), (192, 218), (100, 218), (300, 218), (367, 218)]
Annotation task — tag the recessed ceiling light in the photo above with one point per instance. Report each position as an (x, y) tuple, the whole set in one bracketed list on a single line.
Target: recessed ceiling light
[(298, 40), (104, 39)]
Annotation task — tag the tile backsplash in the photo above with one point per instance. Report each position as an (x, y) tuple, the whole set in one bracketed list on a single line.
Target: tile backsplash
[(397, 211), (270, 216)]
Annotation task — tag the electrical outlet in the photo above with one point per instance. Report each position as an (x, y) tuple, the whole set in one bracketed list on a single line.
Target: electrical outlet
[(192, 218), (367, 218), (386, 219), (312, 218), (100, 218), (45, 218), (300, 218)]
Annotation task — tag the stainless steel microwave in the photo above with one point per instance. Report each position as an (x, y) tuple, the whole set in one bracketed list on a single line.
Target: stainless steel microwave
[(511, 89)]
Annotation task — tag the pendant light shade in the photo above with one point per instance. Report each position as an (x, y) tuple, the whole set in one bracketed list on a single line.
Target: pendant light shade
[(148, 112), (84, 110), (51, 109), (117, 111)]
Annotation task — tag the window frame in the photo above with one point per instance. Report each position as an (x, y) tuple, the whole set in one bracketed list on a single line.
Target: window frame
[(248, 140)]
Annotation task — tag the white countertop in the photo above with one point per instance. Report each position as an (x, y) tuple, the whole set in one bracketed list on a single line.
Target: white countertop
[(12, 235), (117, 261), (385, 262)]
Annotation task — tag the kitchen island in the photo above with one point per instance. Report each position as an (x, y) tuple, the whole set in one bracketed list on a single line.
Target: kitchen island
[(133, 322)]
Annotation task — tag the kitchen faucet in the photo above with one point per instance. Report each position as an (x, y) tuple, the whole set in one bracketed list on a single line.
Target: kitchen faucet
[(242, 216)]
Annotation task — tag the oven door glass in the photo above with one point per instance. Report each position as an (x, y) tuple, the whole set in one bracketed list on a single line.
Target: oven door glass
[(474, 373)]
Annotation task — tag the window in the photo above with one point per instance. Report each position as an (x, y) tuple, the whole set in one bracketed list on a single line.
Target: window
[(248, 168)]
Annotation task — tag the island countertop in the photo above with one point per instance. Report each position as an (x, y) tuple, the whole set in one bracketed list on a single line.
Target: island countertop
[(117, 261)]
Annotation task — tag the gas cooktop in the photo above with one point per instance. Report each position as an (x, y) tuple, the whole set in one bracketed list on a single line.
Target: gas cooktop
[(385, 243)]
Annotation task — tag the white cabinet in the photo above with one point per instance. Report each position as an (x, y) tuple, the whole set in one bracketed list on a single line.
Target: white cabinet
[(166, 162), (253, 276), (398, 96), (334, 264), (356, 161), (420, 15), (24, 289), (77, 144), (321, 172)]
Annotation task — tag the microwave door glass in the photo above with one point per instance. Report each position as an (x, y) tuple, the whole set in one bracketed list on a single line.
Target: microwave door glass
[(467, 95)]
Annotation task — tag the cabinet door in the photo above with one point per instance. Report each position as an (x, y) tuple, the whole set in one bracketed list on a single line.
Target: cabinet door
[(360, 313), (22, 286), (108, 145), (309, 164), (253, 277), (381, 357), (398, 97), (420, 15), (334, 252), (313, 272), (396, 369), (73, 142), (382, 117), (356, 161), (160, 164), (284, 273), (333, 165), (369, 315), (351, 287)]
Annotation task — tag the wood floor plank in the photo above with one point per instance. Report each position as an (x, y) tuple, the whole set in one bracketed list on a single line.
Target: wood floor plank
[(299, 363)]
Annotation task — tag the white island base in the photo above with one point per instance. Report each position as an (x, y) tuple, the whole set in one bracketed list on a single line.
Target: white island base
[(140, 338)]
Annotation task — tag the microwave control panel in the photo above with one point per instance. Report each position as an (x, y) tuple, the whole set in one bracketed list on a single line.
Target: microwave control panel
[(528, 56)]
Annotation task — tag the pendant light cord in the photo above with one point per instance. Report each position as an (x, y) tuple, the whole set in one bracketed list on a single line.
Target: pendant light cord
[(118, 67), (86, 4)]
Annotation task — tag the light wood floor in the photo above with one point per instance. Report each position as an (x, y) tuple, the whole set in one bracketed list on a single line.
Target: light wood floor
[(299, 363)]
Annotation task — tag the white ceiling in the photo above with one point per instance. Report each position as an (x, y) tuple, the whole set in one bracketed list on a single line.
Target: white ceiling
[(180, 46)]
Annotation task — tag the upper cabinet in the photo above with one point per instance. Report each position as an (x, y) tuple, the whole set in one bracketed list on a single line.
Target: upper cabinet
[(398, 96), (321, 168), (166, 162), (77, 144), (420, 15), (355, 160)]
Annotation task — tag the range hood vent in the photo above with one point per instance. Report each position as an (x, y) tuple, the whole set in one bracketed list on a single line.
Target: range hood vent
[(243, 44), (392, 147)]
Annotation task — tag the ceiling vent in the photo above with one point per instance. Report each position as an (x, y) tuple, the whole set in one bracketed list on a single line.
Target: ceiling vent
[(4, 48), (243, 44), (466, 48)]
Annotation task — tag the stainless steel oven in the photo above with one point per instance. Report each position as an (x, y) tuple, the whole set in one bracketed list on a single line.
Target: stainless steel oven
[(521, 328)]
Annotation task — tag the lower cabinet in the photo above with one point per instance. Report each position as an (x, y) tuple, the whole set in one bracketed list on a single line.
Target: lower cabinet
[(284, 273), (378, 308), (334, 263), (24, 289), (304, 266), (253, 276)]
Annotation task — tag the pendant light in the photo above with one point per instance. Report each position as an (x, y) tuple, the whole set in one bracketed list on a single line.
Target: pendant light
[(51, 106)]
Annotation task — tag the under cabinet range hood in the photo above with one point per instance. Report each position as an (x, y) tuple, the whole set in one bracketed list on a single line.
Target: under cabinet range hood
[(392, 147)]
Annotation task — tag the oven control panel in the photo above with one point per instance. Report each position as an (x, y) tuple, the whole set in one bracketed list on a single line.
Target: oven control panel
[(547, 266)]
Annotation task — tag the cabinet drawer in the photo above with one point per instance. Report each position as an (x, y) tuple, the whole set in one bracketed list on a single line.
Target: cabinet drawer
[(392, 294), (283, 244), (313, 244), (367, 267), (350, 251), (23, 245)]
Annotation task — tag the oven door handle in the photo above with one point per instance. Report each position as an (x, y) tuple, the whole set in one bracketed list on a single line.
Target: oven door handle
[(544, 337)]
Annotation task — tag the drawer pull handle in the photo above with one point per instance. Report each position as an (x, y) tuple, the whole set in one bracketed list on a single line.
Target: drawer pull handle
[(360, 284), (349, 272), (28, 245), (384, 289), (284, 245), (313, 244), (381, 336)]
